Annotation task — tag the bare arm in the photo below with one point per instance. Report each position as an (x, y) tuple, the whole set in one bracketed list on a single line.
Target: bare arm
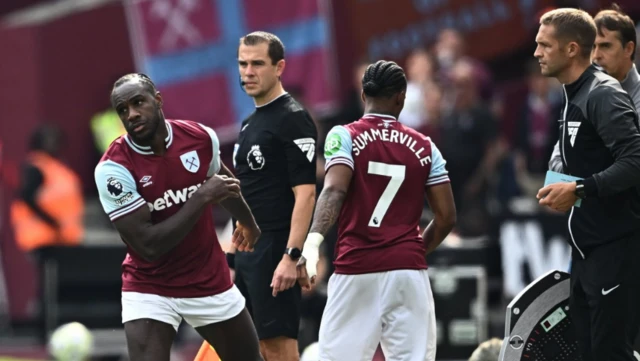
[(336, 184), (337, 152), (440, 198), (238, 207), (152, 241), (305, 195)]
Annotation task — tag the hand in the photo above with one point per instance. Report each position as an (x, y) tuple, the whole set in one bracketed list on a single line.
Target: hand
[(305, 282), (219, 187), (232, 273), (285, 275), (558, 196), (244, 238)]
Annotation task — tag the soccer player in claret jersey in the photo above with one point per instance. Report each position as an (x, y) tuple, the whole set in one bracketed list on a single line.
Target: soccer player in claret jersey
[(157, 184), (376, 172)]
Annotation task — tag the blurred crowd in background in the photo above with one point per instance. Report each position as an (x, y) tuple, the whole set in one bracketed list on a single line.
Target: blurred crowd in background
[(473, 87)]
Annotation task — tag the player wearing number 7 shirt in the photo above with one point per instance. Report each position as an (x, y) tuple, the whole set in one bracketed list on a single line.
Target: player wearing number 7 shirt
[(376, 172)]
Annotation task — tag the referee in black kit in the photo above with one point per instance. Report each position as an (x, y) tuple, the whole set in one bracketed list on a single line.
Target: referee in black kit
[(599, 144), (275, 162)]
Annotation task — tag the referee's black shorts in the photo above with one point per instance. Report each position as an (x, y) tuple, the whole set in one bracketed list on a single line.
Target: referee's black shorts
[(605, 300), (273, 316)]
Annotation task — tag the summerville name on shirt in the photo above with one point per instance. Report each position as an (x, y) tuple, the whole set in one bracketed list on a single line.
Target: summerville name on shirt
[(393, 136)]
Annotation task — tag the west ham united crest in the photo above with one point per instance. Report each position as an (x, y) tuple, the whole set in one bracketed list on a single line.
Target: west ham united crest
[(190, 161)]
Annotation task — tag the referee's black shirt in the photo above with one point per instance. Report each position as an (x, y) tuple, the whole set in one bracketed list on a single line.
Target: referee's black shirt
[(274, 153)]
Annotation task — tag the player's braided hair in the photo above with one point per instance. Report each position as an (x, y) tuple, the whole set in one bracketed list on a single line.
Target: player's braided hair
[(143, 78), (383, 79)]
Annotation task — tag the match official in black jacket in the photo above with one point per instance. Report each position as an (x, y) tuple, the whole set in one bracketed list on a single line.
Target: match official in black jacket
[(600, 143)]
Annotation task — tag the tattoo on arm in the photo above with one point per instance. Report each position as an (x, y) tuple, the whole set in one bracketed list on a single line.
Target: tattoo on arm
[(327, 210)]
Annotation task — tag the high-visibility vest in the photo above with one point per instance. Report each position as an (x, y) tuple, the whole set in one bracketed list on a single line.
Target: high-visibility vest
[(207, 353), (106, 127), (60, 196)]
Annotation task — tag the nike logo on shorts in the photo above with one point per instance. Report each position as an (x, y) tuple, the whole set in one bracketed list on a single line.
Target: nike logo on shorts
[(604, 293)]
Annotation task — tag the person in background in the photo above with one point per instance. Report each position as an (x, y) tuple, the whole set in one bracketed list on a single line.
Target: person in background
[(420, 71), (106, 127), (470, 141), (615, 49), (49, 207)]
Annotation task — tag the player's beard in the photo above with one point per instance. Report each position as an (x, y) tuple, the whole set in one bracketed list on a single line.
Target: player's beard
[(152, 129)]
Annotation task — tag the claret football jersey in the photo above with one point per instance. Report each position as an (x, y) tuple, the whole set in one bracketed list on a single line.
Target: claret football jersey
[(130, 176), (378, 227)]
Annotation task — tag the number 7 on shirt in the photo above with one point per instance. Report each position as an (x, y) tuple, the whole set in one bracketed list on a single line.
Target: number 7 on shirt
[(397, 174)]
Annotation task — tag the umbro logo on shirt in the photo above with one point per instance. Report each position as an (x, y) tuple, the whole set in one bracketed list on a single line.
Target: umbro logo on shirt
[(146, 181)]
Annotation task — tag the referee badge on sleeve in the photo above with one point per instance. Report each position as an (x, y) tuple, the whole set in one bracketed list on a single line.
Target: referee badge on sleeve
[(307, 146)]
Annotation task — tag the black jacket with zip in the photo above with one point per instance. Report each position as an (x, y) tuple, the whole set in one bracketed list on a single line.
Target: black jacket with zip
[(600, 142)]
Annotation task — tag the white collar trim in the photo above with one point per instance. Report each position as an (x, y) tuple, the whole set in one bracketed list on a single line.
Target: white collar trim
[(143, 149), (385, 117)]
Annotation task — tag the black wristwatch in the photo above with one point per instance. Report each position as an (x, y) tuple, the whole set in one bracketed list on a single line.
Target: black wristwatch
[(580, 189), (231, 260), (293, 252)]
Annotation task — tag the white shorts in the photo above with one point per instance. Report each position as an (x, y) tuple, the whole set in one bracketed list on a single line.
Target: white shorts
[(197, 312), (393, 309)]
